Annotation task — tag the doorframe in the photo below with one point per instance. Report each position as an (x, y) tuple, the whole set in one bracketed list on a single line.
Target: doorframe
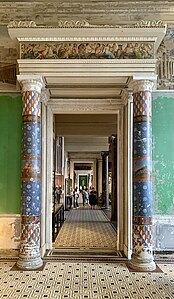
[(46, 224)]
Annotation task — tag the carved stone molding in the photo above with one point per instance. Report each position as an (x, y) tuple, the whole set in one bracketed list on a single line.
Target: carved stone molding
[(73, 24), (84, 24), (127, 96), (21, 24), (45, 96), (87, 39), (145, 24), (92, 61)]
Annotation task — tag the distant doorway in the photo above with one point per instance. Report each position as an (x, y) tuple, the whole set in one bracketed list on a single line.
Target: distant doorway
[(83, 181)]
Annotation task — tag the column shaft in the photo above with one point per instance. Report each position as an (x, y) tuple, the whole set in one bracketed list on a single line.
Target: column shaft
[(105, 192), (99, 178), (113, 146), (142, 177), (29, 257)]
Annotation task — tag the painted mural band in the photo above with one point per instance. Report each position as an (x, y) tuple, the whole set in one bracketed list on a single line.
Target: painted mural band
[(139, 220), (91, 50), (31, 118)]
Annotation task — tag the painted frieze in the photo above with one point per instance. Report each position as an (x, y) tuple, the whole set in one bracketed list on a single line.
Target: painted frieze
[(91, 50)]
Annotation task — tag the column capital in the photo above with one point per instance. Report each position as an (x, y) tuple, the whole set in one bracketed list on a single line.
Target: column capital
[(31, 82), (105, 153), (112, 139), (143, 82), (142, 85)]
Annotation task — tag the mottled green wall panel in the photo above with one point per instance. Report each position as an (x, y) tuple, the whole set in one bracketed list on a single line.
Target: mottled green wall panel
[(10, 153), (163, 152)]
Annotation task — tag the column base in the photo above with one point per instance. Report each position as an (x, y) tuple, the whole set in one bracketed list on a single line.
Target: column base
[(29, 263), (140, 264)]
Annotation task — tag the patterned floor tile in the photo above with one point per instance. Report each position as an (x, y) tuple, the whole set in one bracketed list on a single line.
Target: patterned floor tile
[(85, 228), (86, 280)]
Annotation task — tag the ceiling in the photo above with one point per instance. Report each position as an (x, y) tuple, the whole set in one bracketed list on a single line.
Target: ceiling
[(85, 133)]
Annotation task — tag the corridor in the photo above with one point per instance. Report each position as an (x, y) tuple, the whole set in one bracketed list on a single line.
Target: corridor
[(86, 233)]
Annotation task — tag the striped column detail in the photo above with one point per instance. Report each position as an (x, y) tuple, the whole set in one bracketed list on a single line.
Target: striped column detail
[(142, 176), (29, 257)]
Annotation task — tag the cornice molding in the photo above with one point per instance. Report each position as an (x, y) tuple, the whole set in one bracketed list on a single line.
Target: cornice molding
[(88, 38), (85, 24), (21, 24), (88, 61)]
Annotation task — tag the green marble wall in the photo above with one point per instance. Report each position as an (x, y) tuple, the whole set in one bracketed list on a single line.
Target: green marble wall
[(163, 152), (10, 153)]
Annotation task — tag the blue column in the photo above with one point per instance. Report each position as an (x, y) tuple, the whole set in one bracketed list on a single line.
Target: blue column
[(142, 257), (29, 257)]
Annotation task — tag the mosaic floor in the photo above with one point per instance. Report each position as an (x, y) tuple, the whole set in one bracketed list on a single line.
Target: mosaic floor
[(86, 280), (86, 228)]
